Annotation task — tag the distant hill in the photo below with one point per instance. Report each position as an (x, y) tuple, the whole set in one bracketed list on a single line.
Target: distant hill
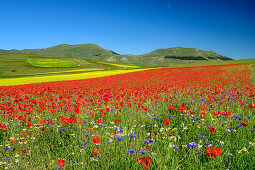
[(158, 57)]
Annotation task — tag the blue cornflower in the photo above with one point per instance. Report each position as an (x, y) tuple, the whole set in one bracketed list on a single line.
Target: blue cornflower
[(15, 131), (248, 117), (83, 145), (131, 151), (252, 130), (238, 125), (148, 126), (63, 129), (207, 143), (85, 121), (131, 135), (202, 137), (5, 149), (146, 141), (86, 135), (230, 128), (154, 117), (176, 148), (142, 152), (192, 119), (198, 118), (121, 131), (119, 138), (151, 140), (102, 125)]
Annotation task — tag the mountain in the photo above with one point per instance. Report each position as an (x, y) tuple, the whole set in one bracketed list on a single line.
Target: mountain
[(158, 57), (186, 54)]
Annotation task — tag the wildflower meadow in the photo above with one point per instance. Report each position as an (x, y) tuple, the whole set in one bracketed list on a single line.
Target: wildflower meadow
[(199, 117)]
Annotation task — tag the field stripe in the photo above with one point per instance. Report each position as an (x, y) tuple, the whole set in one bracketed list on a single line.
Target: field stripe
[(78, 76)]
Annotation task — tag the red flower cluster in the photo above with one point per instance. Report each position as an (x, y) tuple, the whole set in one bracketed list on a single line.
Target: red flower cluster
[(65, 120), (145, 162), (96, 139), (212, 152)]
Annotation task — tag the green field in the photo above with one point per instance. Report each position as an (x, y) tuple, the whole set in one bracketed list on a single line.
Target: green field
[(52, 63), (29, 68), (16, 65)]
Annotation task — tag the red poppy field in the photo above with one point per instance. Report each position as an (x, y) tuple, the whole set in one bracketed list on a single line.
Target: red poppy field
[(180, 118)]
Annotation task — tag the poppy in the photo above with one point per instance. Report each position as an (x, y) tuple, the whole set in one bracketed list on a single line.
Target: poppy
[(166, 121), (94, 151), (42, 121), (145, 162), (212, 152), (95, 139), (212, 129), (244, 124), (117, 121), (24, 150), (29, 124), (61, 163)]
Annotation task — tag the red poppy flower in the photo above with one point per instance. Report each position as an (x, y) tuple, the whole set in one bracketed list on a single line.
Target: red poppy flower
[(29, 124), (171, 108), (99, 121), (24, 150), (94, 151), (244, 124), (61, 163), (42, 121), (117, 121), (166, 121), (95, 139), (212, 152), (145, 162), (212, 129)]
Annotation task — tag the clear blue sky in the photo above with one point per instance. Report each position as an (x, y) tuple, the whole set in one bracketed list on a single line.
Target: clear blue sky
[(131, 26)]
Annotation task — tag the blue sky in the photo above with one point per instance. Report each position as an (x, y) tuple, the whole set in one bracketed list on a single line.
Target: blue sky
[(131, 26)]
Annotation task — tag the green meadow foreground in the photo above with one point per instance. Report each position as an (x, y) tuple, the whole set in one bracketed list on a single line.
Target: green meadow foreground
[(198, 117)]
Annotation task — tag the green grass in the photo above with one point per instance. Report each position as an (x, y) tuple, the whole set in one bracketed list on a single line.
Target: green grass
[(15, 65), (52, 63)]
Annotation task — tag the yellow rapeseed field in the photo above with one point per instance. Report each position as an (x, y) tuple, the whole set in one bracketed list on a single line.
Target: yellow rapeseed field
[(39, 79)]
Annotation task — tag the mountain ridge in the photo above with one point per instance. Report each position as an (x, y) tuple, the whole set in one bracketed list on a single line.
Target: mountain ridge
[(160, 56)]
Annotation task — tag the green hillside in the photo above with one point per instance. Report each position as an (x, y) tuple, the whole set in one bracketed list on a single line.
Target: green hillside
[(169, 56), (186, 54), (19, 65)]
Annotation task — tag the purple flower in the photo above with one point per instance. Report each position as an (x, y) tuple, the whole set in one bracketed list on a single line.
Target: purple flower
[(5, 149), (146, 141), (202, 137), (63, 129), (131, 151), (176, 148), (142, 152), (131, 135), (119, 138), (83, 145), (252, 130), (86, 135)]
